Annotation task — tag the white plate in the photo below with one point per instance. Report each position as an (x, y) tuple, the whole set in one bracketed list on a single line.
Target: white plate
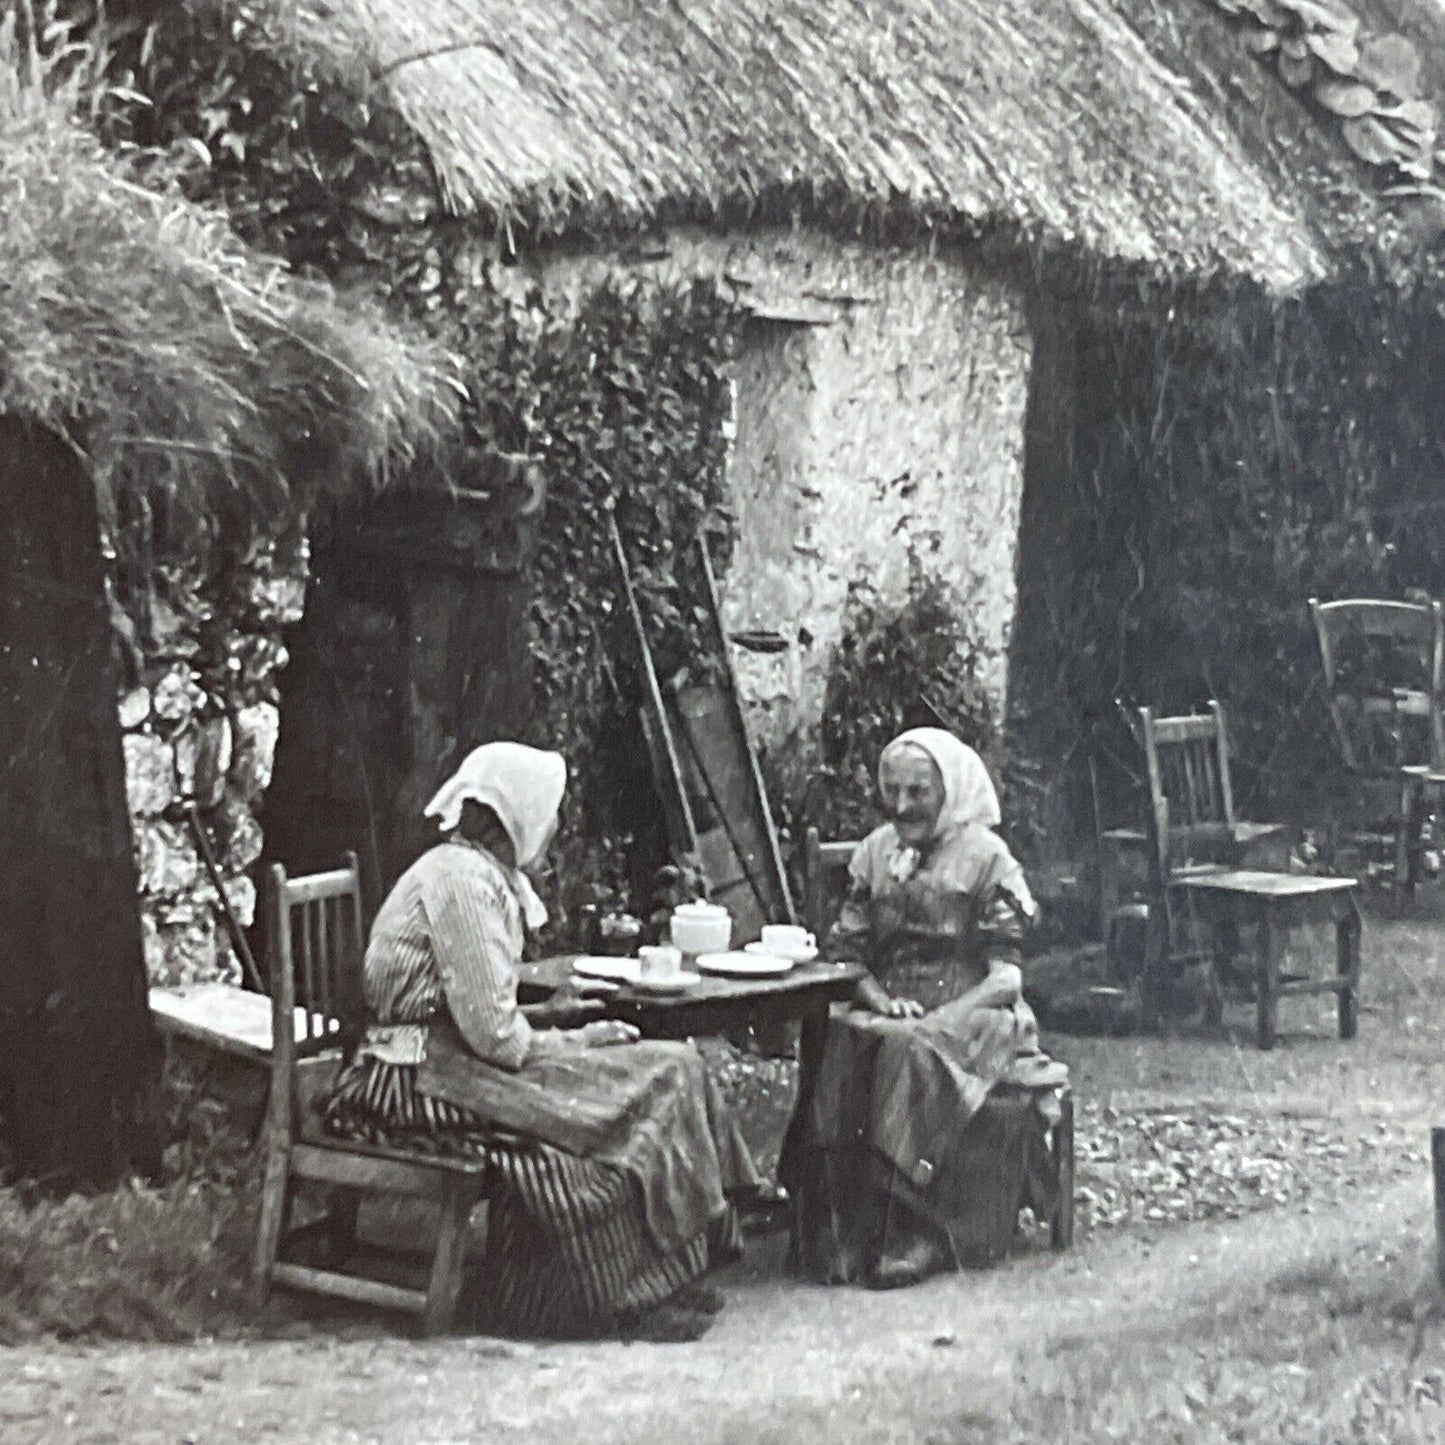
[(678, 983), (744, 965), (615, 970), (798, 955)]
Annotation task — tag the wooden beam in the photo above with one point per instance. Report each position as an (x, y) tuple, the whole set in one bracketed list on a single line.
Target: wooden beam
[(1437, 1164), (349, 1287), (775, 856), (361, 1171), (678, 805)]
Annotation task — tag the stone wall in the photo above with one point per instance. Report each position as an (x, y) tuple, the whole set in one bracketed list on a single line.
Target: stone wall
[(880, 402), (200, 723), (886, 439)]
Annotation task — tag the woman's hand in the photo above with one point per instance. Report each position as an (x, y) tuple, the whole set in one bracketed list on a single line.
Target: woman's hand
[(566, 1013), (904, 1008), (573, 1002), (872, 996), (605, 1033)]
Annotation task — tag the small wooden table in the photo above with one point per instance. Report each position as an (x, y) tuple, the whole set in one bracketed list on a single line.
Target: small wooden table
[(1273, 903), (719, 1005)]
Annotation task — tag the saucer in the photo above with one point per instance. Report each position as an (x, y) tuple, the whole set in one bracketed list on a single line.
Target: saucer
[(806, 954), (745, 965), (613, 970), (675, 983)]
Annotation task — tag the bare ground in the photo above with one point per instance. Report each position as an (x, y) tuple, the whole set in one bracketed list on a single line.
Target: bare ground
[(1253, 1266)]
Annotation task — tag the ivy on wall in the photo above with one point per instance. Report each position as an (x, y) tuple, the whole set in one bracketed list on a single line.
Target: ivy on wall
[(1221, 465), (890, 655), (623, 402)]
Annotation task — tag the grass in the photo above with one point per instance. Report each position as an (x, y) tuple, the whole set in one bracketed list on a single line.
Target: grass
[(148, 1262), (1325, 1351)]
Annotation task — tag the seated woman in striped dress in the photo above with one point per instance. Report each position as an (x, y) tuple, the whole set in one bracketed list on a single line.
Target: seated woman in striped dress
[(614, 1197), (928, 1127)]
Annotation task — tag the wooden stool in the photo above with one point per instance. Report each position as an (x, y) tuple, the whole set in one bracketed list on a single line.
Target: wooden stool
[(1273, 903)]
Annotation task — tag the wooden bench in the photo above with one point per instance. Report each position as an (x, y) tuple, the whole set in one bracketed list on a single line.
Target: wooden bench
[(231, 1020)]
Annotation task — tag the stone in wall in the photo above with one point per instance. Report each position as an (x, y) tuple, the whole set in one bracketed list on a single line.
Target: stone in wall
[(183, 948), (135, 708), (240, 835), (168, 862), (202, 734), (150, 768), (203, 760), (241, 895), (257, 729), (177, 694)]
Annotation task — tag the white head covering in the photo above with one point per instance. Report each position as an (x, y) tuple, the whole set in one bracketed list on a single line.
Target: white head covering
[(523, 786), (968, 792)]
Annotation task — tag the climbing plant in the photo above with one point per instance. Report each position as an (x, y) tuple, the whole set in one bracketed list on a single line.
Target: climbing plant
[(892, 654), (622, 399), (615, 392), (1220, 465)]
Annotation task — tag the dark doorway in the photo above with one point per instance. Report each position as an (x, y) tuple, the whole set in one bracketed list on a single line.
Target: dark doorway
[(79, 1060)]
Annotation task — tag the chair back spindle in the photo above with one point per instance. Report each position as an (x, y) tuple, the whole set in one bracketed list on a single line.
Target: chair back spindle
[(315, 938), (1384, 674)]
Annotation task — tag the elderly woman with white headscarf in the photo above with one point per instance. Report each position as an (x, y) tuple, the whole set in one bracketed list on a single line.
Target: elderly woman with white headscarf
[(898, 1168), (614, 1198)]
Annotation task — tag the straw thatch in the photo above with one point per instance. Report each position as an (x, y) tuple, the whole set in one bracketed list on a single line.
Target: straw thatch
[(1049, 120), (1299, 121), (184, 367)]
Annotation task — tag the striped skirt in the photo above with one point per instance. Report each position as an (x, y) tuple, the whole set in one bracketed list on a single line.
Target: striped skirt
[(567, 1251)]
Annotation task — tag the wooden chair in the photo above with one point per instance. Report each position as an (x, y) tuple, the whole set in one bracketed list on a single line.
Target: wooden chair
[(314, 938), (1187, 766), (824, 861), (1384, 673), (1197, 849), (1192, 829)]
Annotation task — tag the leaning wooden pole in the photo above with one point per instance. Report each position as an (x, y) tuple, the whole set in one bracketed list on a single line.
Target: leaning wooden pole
[(683, 818), (1437, 1165), (735, 697)]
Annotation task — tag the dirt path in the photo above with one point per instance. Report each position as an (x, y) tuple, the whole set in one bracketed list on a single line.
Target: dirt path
[(963, 1358), (1290, 1324)]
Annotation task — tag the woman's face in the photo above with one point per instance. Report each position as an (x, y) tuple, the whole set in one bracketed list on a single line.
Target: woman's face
[(537, 868), (912, 789)]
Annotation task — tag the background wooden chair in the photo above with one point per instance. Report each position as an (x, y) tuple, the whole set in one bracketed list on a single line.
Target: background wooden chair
[(1187, 767), (1384, 674), (314, 942), (1200, 859), (824, 865), (1192, 828)]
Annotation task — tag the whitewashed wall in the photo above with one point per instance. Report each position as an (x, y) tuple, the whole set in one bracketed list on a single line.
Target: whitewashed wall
[(887, 414)]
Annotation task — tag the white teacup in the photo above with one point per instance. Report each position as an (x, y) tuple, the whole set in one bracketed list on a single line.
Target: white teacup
[(787, 940), (659, 962)]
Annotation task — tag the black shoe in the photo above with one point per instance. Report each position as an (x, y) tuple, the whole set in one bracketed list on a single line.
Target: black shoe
[(664, 1324), (705, 1299)]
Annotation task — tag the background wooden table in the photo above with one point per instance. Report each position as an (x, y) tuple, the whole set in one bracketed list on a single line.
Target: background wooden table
[(1274, 903)]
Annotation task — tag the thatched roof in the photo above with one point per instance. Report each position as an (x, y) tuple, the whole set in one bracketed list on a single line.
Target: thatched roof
[(1048, 120), (1337, 104), (184, 366)]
